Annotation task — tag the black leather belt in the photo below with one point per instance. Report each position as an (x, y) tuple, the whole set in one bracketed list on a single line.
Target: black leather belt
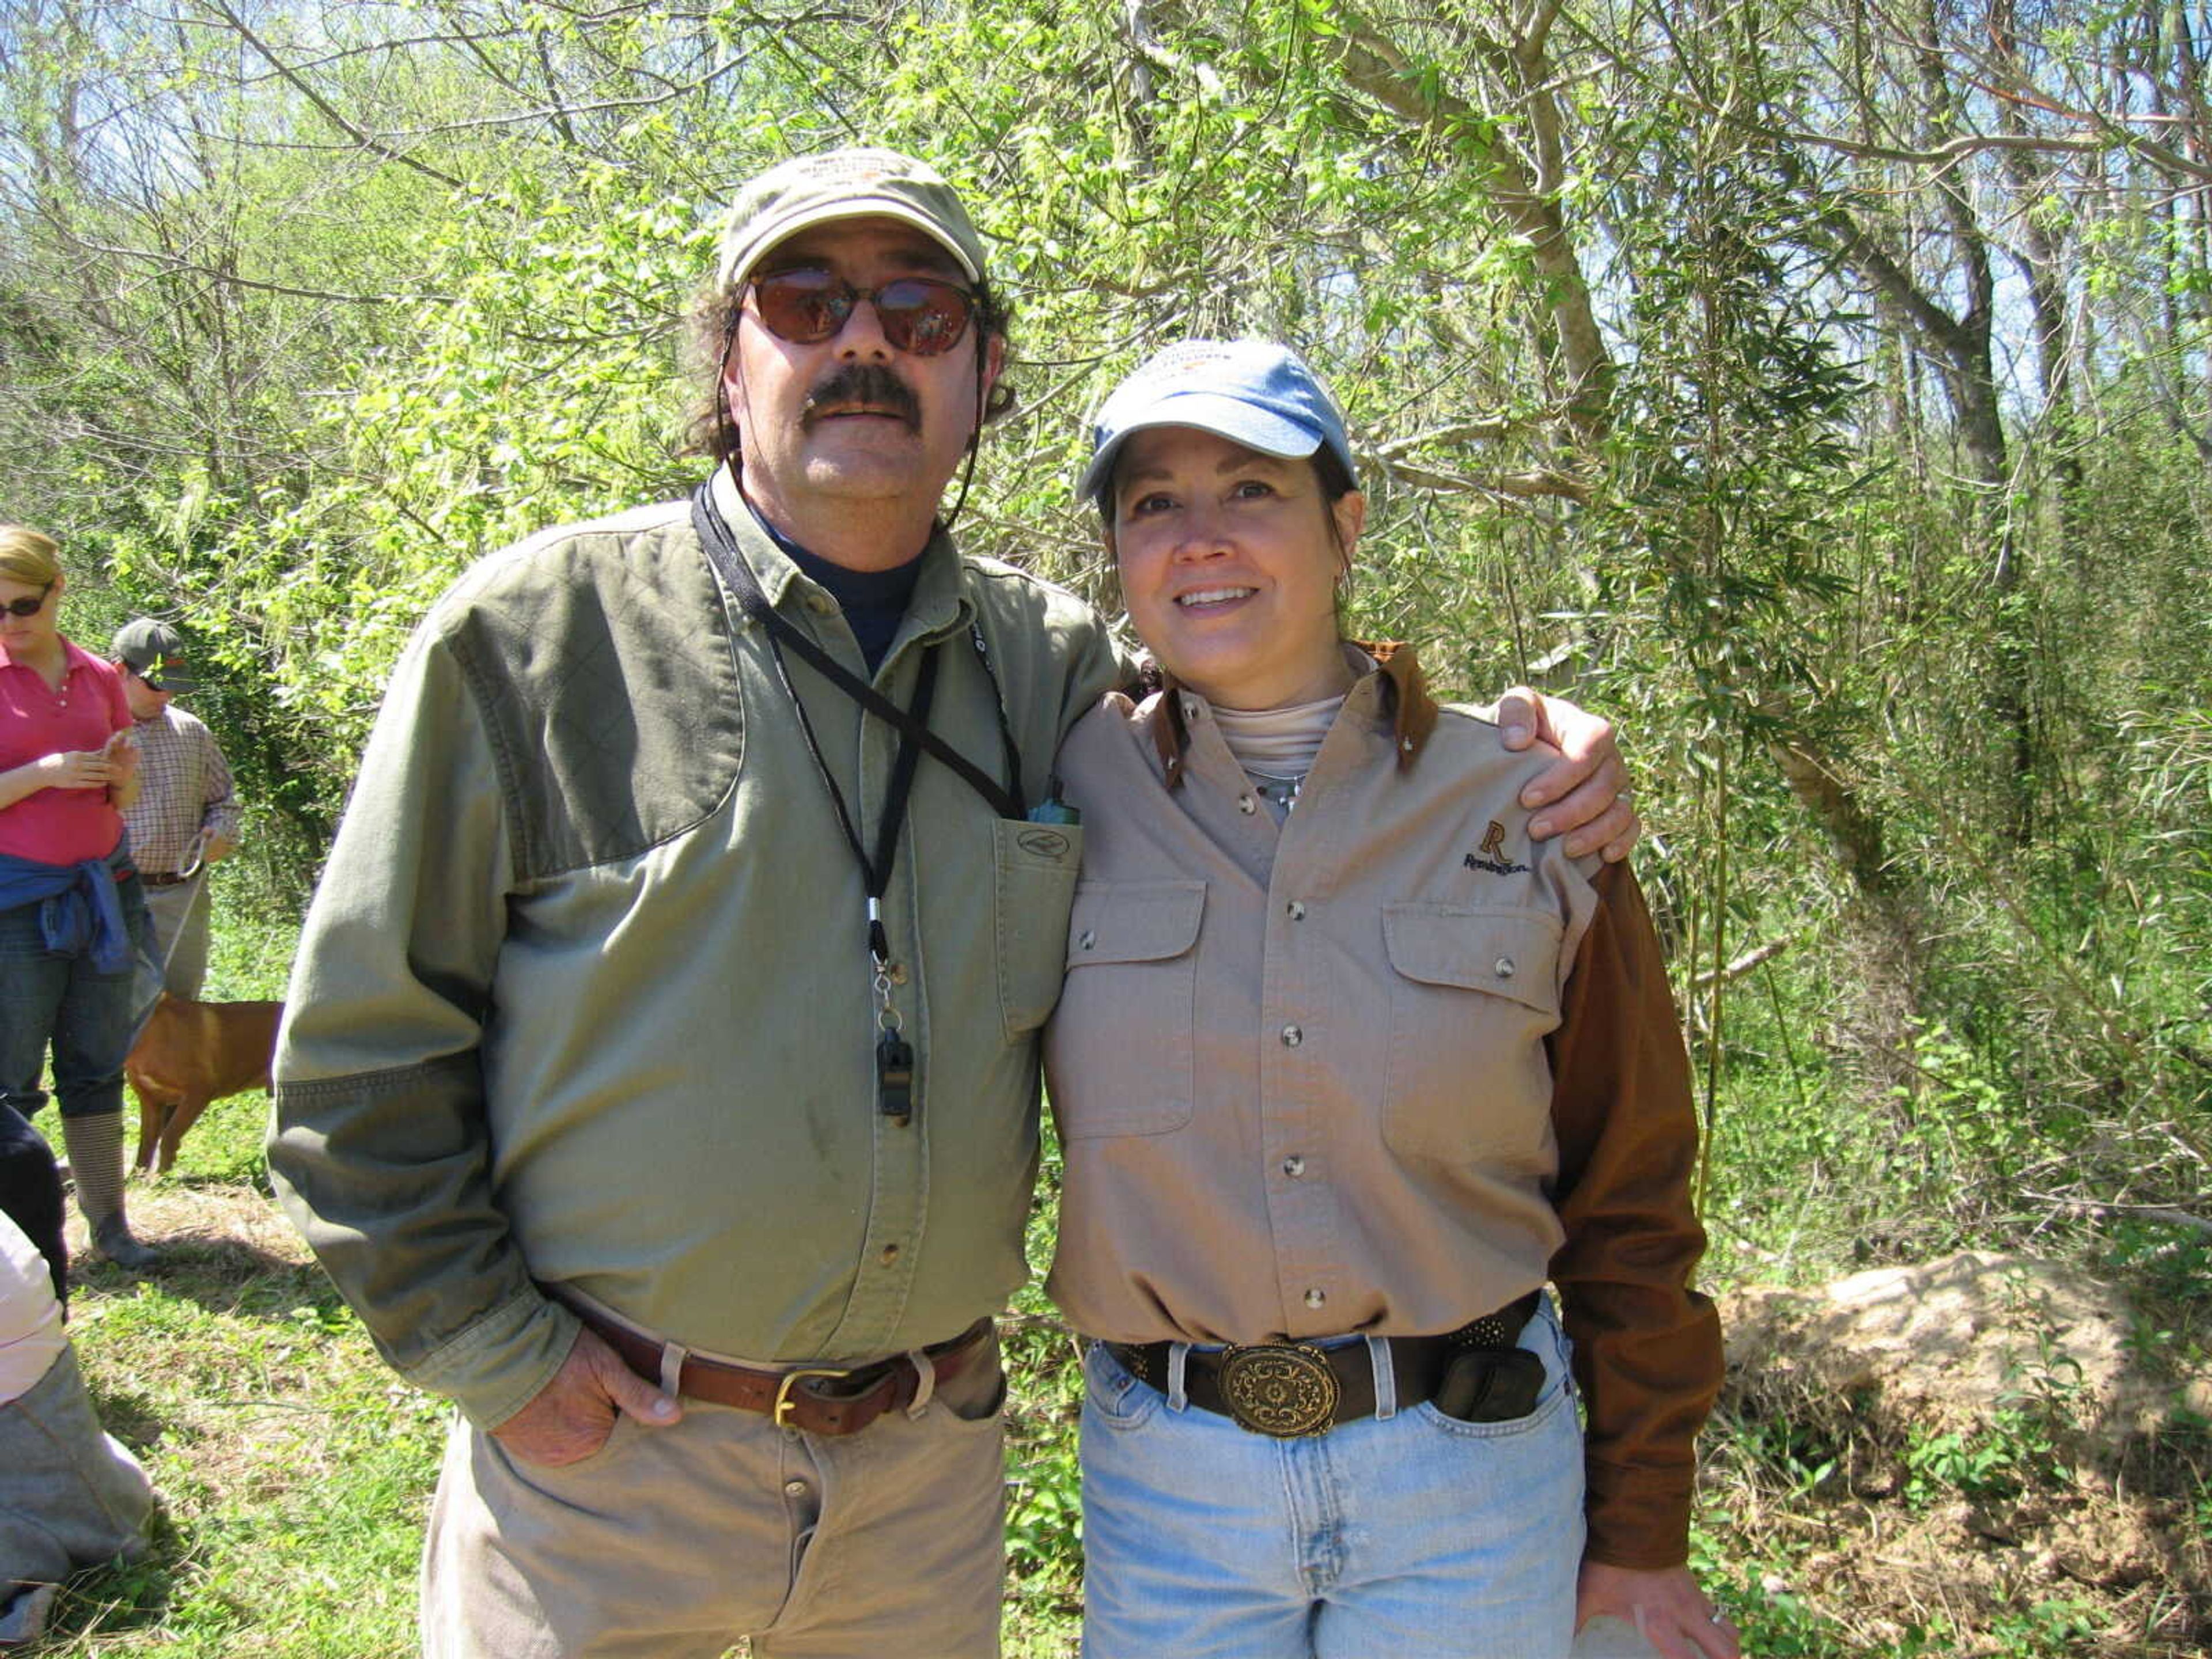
[(1292, 1389), (163, 880)]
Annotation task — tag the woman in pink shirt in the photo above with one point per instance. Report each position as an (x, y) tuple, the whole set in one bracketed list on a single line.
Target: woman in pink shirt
[(73, 924)]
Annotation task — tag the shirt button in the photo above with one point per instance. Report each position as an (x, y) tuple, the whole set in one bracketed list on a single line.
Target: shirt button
[(795, 1488), (1504, 967), (1292, 1036), (1298, 911), (1314, 1298), (1294, 1166), (889, 1255), (1247, 805)]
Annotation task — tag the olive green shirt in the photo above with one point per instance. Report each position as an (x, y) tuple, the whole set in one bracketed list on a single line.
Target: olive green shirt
[(584, 999)]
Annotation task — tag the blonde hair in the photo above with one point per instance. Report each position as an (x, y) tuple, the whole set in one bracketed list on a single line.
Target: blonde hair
[(28, 555)]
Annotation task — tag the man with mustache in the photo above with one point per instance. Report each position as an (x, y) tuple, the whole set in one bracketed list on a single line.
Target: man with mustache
[(659, 1081)]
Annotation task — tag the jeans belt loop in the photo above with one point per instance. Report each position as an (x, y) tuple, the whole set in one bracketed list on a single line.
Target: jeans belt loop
[(1386, 1378), (1178, 1358), (925, 1370), (672, 1356)]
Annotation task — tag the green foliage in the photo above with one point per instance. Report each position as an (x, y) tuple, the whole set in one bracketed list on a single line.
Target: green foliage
[(2019, 1447), (281, 365)]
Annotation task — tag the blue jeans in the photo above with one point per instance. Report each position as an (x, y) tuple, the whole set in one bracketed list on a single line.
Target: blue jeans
[(90, 1018), (1403, 1536)]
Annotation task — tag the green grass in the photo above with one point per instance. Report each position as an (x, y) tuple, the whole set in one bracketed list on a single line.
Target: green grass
[(295, 1470)]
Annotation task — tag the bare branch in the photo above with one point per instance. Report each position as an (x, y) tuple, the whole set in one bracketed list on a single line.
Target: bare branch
[(1375, 65), (1457, 436), (231, 279), (2162, 1214), (330, 112), (1744, 963), (1539, 483)]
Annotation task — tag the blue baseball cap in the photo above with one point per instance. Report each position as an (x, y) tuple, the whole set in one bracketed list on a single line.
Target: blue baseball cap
[(1254, 392)]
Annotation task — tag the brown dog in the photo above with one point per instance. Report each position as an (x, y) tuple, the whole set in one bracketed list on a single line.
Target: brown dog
[(190, 1054)]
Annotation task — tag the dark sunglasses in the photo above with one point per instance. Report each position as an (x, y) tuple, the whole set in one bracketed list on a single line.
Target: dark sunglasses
[(30, 607), (919, 314)]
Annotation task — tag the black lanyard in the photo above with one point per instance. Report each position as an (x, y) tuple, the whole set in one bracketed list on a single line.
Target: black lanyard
[(894, 1054)]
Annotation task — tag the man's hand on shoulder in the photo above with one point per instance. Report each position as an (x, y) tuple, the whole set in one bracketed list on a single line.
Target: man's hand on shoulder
[(571, 1417), (1582, 793)]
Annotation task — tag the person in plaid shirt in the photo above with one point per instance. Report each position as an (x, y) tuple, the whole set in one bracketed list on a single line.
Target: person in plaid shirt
[(187, 817)]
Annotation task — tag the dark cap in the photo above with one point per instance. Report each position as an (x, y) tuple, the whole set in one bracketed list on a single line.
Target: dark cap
[(154, 652), (844, 184)]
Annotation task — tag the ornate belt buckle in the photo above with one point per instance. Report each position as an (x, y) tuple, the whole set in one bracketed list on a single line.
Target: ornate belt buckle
[(1285, 1389)]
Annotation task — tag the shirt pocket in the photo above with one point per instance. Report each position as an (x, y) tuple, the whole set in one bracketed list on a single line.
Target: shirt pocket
[(1473, 992), (1119, 1051), (1033, 869)]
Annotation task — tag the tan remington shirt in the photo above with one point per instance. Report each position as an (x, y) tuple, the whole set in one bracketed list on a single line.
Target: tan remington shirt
[(1382, 1068), (584, 998)]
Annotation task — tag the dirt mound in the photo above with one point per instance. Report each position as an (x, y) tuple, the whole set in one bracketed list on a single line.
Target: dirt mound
[(1985, 1454), (1945, 1345)]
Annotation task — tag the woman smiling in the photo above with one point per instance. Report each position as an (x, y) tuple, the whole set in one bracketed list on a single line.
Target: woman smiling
[(1348, 1068)]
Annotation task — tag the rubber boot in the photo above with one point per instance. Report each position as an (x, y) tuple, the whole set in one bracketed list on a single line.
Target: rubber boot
[(95, 1153)]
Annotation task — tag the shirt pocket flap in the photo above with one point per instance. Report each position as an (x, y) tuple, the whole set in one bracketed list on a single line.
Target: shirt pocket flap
[(1508, 953), (1134, 921)]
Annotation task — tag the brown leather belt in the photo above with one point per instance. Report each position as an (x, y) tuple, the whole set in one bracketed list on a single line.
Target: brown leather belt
[(151, 880), (1288, 1389), (818, 1400)]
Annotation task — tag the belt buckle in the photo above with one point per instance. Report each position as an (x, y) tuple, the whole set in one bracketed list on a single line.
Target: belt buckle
[(1285, 1389), (784, 1403)]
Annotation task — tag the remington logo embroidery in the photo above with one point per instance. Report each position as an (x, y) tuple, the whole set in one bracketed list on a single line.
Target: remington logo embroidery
[(1490, 855)]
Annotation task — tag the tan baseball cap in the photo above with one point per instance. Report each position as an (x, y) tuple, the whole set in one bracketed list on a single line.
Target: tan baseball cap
[(844, 184)]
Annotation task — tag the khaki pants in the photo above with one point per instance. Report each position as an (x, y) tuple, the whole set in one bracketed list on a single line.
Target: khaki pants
[(672, 1543), (181, 913)]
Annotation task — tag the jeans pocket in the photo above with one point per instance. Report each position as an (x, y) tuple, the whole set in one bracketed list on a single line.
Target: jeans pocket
[(549, 1477), (1543, 1337), (1112, 1395), (978, 1394)]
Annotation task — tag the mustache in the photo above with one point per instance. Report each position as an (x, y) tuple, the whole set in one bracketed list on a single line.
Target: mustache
[(869, 386)]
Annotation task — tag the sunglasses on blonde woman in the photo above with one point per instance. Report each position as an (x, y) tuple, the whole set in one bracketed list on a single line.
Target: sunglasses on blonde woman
[(28, 607), (919, 314)]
